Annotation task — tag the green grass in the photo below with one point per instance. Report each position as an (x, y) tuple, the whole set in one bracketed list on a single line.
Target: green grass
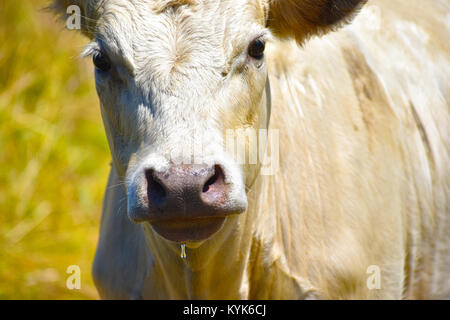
[(54, 158)]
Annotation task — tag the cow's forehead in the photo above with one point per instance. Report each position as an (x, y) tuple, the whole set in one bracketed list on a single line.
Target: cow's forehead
[(184, 38), (193, 19), (220, 6)]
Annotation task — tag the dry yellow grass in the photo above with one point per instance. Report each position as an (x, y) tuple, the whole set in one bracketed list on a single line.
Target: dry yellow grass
[(54, 158)]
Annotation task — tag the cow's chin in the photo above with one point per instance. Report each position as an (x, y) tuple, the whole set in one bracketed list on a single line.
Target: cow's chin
[(192, 231)]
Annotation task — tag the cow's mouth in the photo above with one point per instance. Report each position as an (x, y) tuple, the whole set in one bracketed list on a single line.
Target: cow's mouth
[(188, 229)]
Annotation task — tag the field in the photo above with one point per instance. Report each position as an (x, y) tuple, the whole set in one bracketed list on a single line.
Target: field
[(54, 158)]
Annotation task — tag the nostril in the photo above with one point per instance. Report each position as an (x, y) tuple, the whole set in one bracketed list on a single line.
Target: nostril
[(215, 181), (155, 191)]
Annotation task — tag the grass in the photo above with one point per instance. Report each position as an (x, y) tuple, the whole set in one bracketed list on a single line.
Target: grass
[(54, 157)]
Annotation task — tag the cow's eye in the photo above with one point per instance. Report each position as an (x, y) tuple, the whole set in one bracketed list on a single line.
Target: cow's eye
[(256, 49), (101, 61)]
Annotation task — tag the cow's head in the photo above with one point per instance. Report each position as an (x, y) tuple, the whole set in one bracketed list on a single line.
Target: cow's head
[(172, 77)]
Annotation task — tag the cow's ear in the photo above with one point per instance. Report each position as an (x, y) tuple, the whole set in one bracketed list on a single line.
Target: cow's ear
[(301, 19), (74, 12)]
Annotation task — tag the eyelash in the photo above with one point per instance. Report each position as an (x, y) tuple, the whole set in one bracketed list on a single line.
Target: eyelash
[(101, 61)]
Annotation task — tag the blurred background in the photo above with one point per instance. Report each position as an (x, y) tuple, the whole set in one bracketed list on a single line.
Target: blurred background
[(54, 158)]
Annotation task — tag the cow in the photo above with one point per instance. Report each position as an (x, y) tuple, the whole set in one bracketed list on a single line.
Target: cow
[(355, 95)]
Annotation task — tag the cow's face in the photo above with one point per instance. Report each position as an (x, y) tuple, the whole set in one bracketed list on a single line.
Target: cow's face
[(174, 78)]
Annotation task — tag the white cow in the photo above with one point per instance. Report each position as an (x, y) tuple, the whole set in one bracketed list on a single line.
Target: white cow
[(360, 204)]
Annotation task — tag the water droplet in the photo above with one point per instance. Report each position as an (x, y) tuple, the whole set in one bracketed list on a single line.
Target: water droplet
[(183, 250)]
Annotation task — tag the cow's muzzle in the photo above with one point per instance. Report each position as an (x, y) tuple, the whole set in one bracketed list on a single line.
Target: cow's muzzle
[(187, 202)]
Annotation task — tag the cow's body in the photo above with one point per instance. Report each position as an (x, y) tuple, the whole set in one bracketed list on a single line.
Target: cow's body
[(364, 178)]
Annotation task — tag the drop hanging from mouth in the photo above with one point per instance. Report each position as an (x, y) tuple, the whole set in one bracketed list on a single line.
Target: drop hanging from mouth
[(183, 251)]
